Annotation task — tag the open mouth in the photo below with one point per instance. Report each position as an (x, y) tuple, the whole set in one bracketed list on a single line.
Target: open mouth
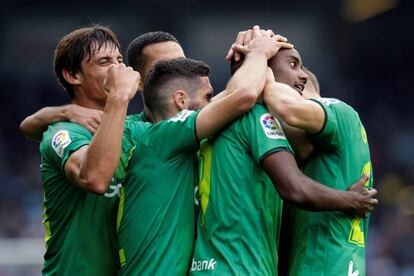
[(299, 88)]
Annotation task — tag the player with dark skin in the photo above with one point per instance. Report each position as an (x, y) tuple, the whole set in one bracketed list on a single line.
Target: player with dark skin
[(286, 68)]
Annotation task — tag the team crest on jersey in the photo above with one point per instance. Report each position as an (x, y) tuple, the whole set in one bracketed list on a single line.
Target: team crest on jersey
[(181, 116), (328, 101), (271, 127), (60, 141)]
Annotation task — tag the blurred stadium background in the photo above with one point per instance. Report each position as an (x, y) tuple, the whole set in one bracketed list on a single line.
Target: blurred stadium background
[(361, 50)]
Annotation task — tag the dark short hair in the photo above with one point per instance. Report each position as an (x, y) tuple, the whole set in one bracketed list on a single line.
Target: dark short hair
[(136, 47), (77, 45), (235, 65), (167, 76)]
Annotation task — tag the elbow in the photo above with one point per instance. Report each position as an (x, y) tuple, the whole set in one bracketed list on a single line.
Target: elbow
[(292, 191), (23, 129), (247, 100), (93, 183)]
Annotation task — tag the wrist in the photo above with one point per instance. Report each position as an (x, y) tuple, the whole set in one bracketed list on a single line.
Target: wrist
[(118, 98), (256, 53), (117, 101)]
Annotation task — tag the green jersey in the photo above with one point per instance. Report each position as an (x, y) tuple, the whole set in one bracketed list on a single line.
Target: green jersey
[(80, 226), (156, 218), (333, 243), (140, 117), (239, 222)]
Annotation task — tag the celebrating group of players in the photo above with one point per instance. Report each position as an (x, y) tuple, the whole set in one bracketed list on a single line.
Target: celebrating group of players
[(194, 184)]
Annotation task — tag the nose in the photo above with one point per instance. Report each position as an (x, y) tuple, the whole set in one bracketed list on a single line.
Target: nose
[(303, 77)]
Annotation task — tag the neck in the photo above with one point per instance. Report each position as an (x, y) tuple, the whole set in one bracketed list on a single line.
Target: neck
[(88, 103), (158, 117), (147, 112)]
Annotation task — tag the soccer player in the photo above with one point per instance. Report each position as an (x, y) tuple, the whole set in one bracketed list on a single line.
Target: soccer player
[(239, 222), (330, 243), (143, 52), (156, 230), (79, 220)]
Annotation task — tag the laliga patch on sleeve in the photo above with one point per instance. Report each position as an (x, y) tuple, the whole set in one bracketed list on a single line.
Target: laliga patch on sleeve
[(181, 116), (271, 127), (60, 141)]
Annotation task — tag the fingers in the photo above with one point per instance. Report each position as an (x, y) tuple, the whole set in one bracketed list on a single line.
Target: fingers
[(372, 192), (240, 37), (269, 33), (280, 38), (285, 45), (237, 48), (90, 128), (98, 115), (239, 40), (93, 124), (256, 31), (373, 202), (248, 37), (364, 178), (230, 53)]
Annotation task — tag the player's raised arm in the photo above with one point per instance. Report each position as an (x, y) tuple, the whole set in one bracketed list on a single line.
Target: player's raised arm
[(308, 194), (92, 166), (34, 125), (244, 87), (286, 103)]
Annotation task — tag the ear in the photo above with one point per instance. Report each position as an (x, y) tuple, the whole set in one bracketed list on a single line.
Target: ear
[(181, 99), (71, 79), (141, 86)]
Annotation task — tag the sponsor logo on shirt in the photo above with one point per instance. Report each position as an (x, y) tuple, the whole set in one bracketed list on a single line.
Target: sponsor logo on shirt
[(203, 265), (351, 268), (60, 141), (271, 127), (114, 190), (181, 116), (328, 101)]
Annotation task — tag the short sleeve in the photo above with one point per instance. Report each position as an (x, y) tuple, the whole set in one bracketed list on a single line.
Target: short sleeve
[(176, 135), (61, 140), (264, 133), (329, 136)]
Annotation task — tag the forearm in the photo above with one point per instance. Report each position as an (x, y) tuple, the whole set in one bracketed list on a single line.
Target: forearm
[(103, 154), (251, 76), (240, 96), (34, 125), (299, 189), (286, 103), (281, 99), (313, 196)]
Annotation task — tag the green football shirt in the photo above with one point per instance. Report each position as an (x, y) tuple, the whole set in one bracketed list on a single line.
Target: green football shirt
[(156, 218), (80, 227), (239, 222), (140, 117), (333, 243)]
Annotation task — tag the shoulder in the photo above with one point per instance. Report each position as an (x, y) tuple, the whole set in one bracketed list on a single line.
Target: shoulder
[(60, 135), (260, 114), (140, 117), (334, 104), (182, 116), (61, 129)]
